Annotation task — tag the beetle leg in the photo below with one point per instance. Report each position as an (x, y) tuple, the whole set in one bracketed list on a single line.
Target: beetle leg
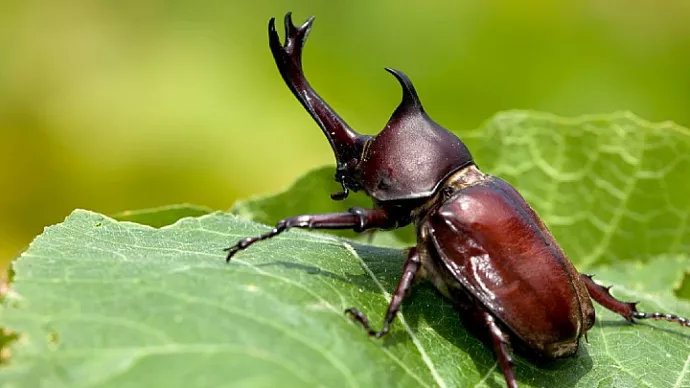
[(501, 347), (628, 310), (410, 269), (355, 218)]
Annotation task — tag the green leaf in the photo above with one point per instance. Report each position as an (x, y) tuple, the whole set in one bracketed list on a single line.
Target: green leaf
[(98, 302), (162, 215), (110, 304)]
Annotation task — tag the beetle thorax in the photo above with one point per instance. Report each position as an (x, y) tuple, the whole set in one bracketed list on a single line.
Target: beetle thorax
[(412, 155), (410, 158), (458, 180)]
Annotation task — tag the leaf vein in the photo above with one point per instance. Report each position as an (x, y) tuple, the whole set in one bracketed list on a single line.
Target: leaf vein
[(682, 373)]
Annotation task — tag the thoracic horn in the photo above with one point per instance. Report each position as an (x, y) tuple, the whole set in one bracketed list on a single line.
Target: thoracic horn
[(410, 101)]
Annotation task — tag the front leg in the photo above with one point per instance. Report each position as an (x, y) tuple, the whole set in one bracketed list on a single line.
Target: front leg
[(409, 272), (357, 219)]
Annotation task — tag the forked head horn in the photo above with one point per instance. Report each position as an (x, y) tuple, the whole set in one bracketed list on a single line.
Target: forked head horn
[(346, 143)]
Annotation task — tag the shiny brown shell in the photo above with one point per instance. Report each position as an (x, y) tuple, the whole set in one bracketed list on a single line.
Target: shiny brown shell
[(498, 251)]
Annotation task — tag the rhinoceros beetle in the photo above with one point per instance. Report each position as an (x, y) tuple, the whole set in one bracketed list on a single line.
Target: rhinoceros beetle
[(478, 241)]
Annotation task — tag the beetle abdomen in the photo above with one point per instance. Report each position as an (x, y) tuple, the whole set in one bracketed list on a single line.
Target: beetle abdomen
[(500, 252)]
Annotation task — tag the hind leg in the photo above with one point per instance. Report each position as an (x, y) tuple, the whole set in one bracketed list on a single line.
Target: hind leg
[(628, 310)]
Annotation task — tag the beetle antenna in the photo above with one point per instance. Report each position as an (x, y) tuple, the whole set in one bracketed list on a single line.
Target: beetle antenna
[(410, 99)]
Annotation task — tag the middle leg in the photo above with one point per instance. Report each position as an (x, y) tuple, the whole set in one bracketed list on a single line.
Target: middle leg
[(410, 270), (501, 347)]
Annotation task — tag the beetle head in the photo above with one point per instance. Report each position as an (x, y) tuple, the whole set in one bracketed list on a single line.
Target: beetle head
[(412, 155), (407, 160), (347, 144)]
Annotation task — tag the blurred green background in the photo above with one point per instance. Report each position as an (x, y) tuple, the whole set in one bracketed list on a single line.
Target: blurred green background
[(114, 105)]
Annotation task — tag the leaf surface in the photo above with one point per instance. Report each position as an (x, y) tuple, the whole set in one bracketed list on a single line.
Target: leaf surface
[(100, 302), (130, 304)]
